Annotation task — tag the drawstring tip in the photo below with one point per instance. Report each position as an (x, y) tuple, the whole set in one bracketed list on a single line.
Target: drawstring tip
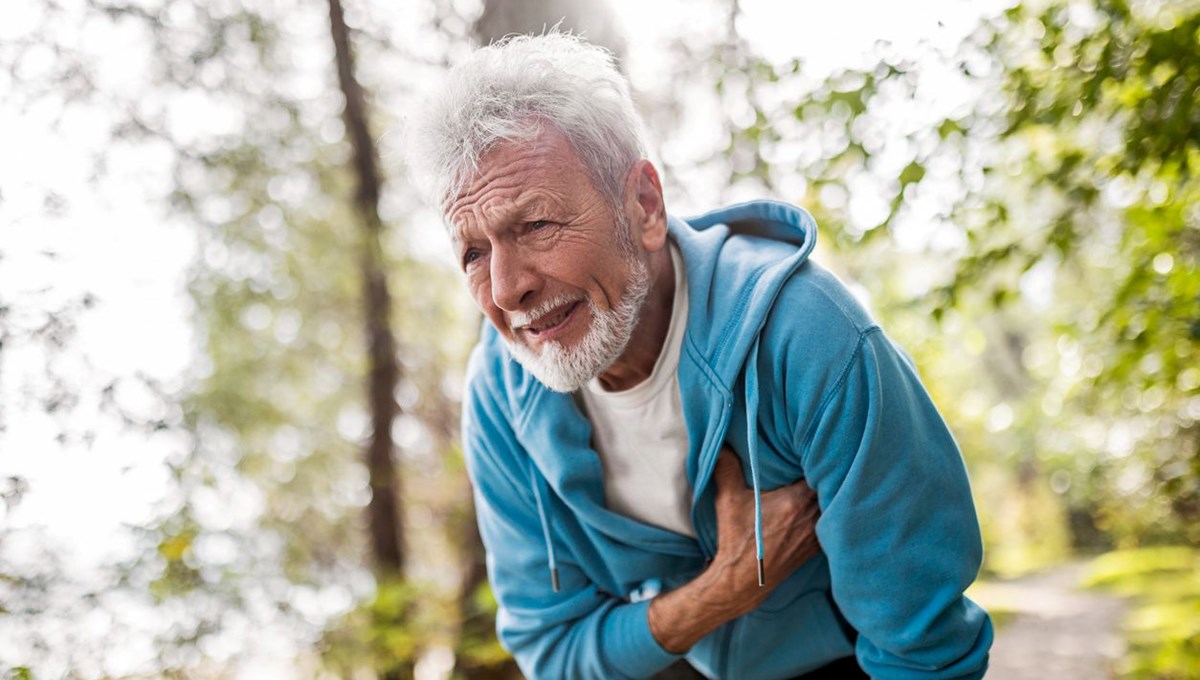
[(554, 578), (762, 581)]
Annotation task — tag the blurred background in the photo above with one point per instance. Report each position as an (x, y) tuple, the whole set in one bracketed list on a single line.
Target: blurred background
[(232, 339)]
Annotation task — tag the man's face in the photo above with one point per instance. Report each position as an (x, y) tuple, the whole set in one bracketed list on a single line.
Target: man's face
[(546, 260)]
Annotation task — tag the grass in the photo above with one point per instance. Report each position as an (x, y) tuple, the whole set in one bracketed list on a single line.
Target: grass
[(1163, 628)]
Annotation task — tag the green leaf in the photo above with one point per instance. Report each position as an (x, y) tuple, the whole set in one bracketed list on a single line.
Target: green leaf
[(911, 174)]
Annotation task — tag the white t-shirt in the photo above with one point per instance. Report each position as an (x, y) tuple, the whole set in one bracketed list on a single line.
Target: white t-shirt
[(641, 436)]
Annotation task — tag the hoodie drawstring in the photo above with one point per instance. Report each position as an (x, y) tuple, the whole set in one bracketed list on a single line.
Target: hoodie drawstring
[(537, 484), (752, 450)]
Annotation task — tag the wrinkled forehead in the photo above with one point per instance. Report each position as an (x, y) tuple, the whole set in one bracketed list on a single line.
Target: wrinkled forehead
[(514, 176)]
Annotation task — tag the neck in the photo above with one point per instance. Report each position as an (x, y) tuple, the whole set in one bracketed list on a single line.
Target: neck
[(637, 362)]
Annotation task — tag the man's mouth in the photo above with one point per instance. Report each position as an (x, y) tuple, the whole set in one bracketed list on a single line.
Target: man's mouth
[(550, 321)]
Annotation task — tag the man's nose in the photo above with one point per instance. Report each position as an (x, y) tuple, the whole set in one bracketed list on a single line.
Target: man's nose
[(514, 280)]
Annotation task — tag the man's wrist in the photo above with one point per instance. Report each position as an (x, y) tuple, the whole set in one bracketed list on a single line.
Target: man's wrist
[(682, 617)]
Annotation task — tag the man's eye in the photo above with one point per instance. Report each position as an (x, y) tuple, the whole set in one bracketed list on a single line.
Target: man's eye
[(536, 225), (469, 257)]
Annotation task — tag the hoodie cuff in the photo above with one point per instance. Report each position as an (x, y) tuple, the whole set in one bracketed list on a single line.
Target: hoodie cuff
[(641, 656)]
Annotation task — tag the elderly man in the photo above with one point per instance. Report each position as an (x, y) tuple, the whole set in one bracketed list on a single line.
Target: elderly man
[(649, 392)]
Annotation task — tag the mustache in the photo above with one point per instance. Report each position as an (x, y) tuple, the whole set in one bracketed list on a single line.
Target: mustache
[(519, 319)]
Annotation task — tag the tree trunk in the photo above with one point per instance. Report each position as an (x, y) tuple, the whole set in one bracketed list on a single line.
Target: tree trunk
[(589, 18), (383, 511)]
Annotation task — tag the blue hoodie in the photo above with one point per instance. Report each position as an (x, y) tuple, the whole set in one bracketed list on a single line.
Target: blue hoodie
[(774, 340)]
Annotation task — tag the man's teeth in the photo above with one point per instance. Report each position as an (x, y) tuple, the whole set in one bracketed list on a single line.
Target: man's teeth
[(552, 321)]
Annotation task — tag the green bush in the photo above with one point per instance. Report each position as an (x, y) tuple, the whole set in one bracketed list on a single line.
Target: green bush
[(1163, 628)]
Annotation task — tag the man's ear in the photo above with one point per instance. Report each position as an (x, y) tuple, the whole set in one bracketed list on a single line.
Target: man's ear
[(644, 206)]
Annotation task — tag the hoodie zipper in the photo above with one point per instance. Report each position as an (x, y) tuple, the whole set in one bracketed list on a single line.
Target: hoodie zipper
[(706, 531)]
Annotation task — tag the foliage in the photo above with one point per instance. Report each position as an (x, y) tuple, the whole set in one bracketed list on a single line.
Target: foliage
[(1164, 627), (262, 529), (388, 633), (478, 646), (279, 400), (1104, 110), (1021, 215)]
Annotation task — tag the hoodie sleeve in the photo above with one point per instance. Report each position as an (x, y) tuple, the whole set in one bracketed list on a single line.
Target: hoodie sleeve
[(898, 523), (578, 632)]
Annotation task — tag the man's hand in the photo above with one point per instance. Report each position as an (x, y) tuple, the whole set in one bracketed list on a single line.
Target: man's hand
[(729, 586), (789, 527)]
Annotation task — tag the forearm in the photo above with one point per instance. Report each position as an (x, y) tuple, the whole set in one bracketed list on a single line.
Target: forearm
[(725, 590), (729, 586), (682, 617)]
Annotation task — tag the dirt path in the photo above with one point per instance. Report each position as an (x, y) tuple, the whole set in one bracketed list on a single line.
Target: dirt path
[(1058, 630)]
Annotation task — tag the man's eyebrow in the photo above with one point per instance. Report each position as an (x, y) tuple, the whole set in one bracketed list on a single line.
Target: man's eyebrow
[(524, 207), (510, 214), (517, 211)]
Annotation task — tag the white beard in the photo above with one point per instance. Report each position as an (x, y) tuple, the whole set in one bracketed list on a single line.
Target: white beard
[(564, 369)]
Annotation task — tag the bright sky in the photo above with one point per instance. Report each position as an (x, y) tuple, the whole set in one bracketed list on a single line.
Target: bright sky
[(827, 35), (109, 241)]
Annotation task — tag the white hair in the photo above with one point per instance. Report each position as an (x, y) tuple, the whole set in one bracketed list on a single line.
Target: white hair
[(505, 92)]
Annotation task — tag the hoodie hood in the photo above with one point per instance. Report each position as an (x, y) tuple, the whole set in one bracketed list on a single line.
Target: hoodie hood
[(776, 239)]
